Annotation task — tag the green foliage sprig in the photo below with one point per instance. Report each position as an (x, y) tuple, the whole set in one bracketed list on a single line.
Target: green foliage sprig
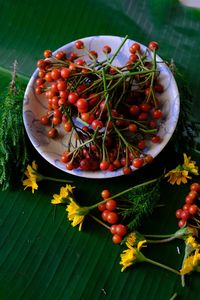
[(140, 202), (13, 148)]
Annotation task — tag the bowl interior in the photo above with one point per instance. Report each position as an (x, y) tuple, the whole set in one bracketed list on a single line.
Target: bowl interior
[(51, 149)]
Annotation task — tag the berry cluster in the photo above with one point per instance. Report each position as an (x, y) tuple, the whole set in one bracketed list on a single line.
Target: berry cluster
[(117, 107), (109, 215), (189, 213)]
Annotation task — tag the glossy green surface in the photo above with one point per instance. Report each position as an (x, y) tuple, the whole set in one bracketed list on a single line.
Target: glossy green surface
[(41, 255)]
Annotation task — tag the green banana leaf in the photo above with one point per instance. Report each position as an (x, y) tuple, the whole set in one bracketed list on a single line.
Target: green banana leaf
[(41, 255)]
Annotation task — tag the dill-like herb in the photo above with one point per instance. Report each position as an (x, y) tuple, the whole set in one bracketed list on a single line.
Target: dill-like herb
[(140, 202), (13, 149)]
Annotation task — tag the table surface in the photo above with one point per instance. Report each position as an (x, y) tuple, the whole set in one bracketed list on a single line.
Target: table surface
[(41, 255)]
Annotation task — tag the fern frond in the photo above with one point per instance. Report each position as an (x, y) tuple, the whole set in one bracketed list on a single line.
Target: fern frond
[(13, 149)]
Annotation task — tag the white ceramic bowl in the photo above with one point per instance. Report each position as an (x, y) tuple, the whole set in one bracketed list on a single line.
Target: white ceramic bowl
[(51, 149)]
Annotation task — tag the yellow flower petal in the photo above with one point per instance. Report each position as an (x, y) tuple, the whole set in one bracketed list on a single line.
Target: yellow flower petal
[(64, 196), (192, 243), (190, 165), (74, 214), (31, 180), (141, 244), (177, 176), (57, 199), (128, 257), (187, 266)]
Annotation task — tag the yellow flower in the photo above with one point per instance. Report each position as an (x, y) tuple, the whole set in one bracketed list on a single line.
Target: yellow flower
[(131, 255), (178, 176), (64, 196), (187, 266), (192, 243), (134, 238), (190, 165), (131, 238), (76, 214), (31, 173), (191, 263)]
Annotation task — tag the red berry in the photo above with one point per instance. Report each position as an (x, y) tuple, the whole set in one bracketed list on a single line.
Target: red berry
[(41, 64), (195, 187), (69, 166), (82, 105), (80, 62), (186, 206), (111, 205), (193, 195), (55, 74), (68, 126), (145, 107), (134, 110), (104, 165), (132, 127), (102, 207), (132, 58), (148, 159), (127, 170), (156, 139), (116, 239), (79, 44), (73, 97), (93, 54), (193, 209), (153, 45), (178, 213), (141, 144), (47, 53), (112, 217), (138, 162), (121, 230), (60, 55), (44, 120), (185, 215), (189, 200), (134, 47), (106, 49), (142, 116), (104, 215), (96, 124), (181, 223), (157, 114), (52, 133), (113, 229), (65, 72), (62, 85), (105, 194)]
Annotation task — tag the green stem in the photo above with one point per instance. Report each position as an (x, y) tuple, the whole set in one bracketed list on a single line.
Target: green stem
[(55, 179), (130, 74), (158, 235), (124, 192), (162, 240), (115, 54), (153, 262)]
